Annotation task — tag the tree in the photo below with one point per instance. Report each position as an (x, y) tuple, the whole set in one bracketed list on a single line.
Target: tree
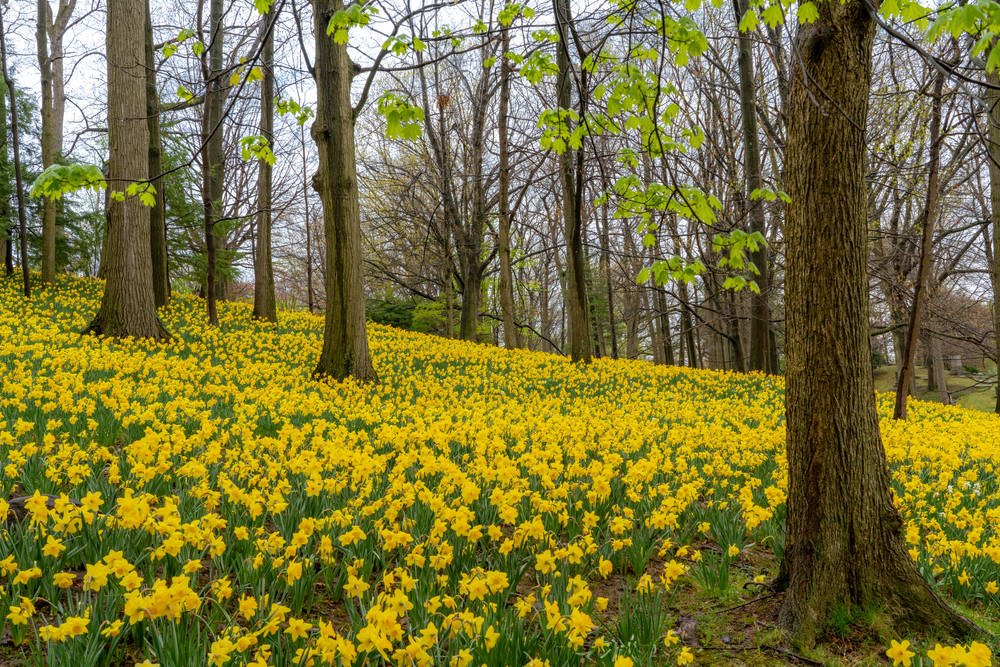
[(6, 221), (264, 306), (506, 280), (16, 145), (345, 338), (845, 544), (760, 312), (212, 156), (128, 307), (49, 39), (158, 213), (924, 265), (571, 173), (993, 159)]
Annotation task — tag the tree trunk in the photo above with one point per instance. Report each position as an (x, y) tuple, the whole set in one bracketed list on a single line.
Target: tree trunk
[(345, 338), (993, 108), (468, 319), (264, 306), (939, 372), (305, 197), (157, 214), (899, 349), (606, 270), (544, 307), (666, 339), (506, 280), (844, 540), (930, 216), (570, 176), (211, 155), (760, 312), (15, 136), (127, 308), (48, 152), (6, 221)]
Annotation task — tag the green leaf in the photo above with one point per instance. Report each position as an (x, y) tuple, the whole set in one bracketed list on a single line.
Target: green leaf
[(749, 21), (807, 13), (262, 6), (198, 48), (489, 62), (994, 59), (773, 16), (643, 277)]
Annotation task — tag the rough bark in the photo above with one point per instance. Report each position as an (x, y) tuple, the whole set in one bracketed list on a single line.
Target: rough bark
[(844, 538), (666, 339), (570, 179), (211, 155), (305, 196), (6, 222), (345, 339), (127, 307), (939, 371), (48, 264), (264, 306), (157, 213), (15, 137), (606, 273), (993, 107), (760, 311), (929, 219), (506, 281)]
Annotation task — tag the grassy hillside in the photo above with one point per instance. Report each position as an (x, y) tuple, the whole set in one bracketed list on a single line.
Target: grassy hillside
[(478, 506)]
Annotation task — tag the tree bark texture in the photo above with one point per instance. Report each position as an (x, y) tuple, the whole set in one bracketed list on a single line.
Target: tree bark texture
[(576, 280), (6, 220), (929, 219), (760, 311), (212, 157), (506, 280), (15, 137), (844, 538), (48, 152), (264, 306), (345, 339), (993, 108), (127, 307), (157, 214)]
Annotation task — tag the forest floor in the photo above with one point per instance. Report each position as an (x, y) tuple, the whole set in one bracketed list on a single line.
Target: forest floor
[(983, 399)]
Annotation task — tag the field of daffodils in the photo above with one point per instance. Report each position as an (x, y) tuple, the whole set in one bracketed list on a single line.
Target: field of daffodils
[(215, 506)]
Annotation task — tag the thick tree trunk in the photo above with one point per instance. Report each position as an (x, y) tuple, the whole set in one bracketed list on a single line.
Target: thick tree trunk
[(6, 220), (264, 306), (127, 308), (212, 165), (157, 214), (468, 322), (15, 137), (844, 540), (576, 291), (665, 337), (760, 311), (929, 219), (305, 196), (993, 107), (939, 372), (506, 281), (606, 271), (345, 338), (48, 152)]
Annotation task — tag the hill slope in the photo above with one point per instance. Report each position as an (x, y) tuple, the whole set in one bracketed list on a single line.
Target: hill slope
[(476, 489)]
